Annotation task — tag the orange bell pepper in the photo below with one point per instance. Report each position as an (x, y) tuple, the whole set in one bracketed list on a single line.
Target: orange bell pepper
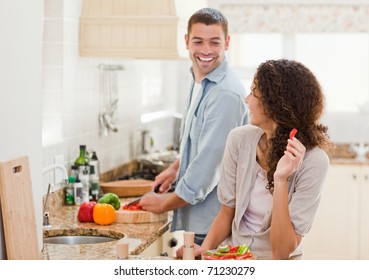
[(104, 214)]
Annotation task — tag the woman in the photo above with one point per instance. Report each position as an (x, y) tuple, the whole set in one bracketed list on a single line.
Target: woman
[(270, 185)]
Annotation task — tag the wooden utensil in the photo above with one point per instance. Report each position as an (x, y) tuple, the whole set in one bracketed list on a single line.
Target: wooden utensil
[(18, 210), (127, 188), (138, 216)]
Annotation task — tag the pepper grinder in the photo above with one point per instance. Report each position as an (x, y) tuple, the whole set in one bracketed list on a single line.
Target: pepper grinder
[(188, 246), (122, 249)]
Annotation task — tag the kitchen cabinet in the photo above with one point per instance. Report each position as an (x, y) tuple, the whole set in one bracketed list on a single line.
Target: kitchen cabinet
[(135, 29), (165, 245), (363, 250), (340, 229)]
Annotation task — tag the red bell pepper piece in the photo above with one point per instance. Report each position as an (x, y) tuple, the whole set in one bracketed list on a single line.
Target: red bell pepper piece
[(293, 133), (132, 207)]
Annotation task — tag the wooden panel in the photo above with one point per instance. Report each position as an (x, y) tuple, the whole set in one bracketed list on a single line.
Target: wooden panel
[(18, 210), (139, 25), (138, 216)]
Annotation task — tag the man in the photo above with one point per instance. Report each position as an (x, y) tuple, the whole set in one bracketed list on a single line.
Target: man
[(215, 106)]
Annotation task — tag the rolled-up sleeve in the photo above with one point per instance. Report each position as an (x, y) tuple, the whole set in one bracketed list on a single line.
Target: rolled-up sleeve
[(227, 184), (209, 131)]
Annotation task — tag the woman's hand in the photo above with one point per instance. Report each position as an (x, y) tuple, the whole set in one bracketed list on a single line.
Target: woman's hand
[(198, 250), (283, 237), (291, 160)]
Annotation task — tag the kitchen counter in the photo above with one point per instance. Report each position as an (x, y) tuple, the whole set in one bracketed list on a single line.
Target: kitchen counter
[(348, 161), (63, 221)]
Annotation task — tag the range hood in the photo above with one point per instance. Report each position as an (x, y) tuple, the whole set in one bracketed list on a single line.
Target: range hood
[(152, 29)]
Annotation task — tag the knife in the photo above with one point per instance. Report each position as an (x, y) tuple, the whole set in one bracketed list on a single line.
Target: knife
[(137, 200)]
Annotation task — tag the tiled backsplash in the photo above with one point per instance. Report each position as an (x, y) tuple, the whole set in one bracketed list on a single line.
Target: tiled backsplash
[(73, 95)]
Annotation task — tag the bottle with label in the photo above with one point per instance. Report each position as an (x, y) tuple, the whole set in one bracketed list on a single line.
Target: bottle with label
[(78, 191), (84, 177), (95, 162), (94, 184), (69, 191), (73, 171), (82, 163)]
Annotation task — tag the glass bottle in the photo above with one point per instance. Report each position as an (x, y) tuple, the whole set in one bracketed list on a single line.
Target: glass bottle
[(94, 184), (82, 159), (95, 162), (83, 170)]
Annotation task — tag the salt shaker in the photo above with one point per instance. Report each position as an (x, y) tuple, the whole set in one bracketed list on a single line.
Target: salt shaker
[(122, 250), (188, 246)]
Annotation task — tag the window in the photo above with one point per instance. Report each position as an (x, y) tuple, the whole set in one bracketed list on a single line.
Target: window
[(247, 51), (341, 64), (340, 61)]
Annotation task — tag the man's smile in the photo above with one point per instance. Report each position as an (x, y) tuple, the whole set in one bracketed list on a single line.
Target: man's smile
[(206, 59)]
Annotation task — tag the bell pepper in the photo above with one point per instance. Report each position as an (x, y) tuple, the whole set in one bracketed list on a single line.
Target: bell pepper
[(85, 212), (104, 214), (293, 133), (112, 199)]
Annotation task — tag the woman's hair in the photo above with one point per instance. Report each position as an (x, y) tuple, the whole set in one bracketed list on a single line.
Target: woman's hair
[(208, 16), (292, 97)]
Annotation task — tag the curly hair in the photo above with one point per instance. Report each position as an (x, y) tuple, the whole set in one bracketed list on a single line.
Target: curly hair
[(292, 97), (208, 16)]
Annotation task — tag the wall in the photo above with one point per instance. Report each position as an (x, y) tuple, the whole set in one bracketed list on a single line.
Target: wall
[(20, 87), (73, 95)]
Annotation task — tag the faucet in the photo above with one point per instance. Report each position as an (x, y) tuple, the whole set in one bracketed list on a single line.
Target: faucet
[(360, 149), (64, 181)]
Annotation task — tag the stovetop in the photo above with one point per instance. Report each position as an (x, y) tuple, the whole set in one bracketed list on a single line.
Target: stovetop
[(149, 174)]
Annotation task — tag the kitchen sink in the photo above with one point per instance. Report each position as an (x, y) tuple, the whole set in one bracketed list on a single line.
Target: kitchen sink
[(78, 239), (78, 236)]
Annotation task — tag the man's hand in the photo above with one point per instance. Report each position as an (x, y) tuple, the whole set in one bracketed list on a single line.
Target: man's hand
[(160, 203), (166, 178)]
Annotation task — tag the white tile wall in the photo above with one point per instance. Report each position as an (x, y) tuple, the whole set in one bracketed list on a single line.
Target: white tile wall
[(72, 94)]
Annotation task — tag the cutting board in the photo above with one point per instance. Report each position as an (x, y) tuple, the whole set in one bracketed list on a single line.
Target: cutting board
[(127, 188), (18, 210), (138, 217)]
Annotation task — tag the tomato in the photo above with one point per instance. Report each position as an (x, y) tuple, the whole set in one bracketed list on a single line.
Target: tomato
[(293, 133)]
